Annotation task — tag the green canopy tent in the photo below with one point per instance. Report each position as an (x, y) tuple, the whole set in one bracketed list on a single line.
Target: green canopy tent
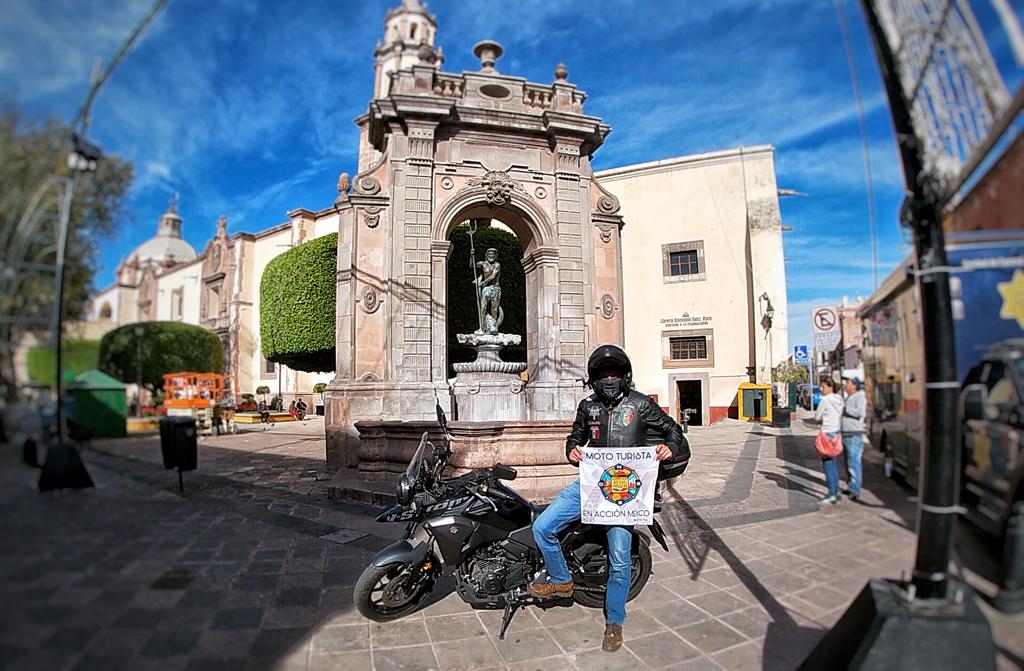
[(99, 404)]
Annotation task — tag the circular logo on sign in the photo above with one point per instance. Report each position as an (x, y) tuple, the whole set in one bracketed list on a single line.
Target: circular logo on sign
[(619, 484)]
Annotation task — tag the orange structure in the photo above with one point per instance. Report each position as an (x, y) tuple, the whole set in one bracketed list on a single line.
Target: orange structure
[(202, 396)]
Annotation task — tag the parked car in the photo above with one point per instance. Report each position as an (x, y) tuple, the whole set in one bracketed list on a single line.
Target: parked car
[(808, 397), (992, 411)]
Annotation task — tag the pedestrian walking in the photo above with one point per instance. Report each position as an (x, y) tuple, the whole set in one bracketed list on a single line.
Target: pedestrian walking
[(264, 414), (854, 412), (829, 413)]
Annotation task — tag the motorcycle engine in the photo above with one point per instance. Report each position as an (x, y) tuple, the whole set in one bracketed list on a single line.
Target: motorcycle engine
[(491, 572)]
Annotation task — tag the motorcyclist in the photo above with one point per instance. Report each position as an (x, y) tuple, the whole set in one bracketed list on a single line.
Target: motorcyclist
[(614, 415)]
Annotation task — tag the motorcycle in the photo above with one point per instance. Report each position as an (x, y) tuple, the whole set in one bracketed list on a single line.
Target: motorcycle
[(479, 529)]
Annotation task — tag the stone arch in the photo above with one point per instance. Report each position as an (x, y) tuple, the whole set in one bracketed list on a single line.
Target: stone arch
[(539, 243), (527, 220)]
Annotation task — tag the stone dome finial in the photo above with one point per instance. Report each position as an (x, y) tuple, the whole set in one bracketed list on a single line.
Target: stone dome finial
[(561, 72), (488, 51)]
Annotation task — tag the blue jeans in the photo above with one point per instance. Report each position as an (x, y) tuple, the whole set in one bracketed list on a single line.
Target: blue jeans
[(831, 472), (853, 448), (562, 512)]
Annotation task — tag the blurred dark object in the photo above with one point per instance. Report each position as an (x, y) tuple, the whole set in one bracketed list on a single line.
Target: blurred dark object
[(30, 452), (178, 445), (63, 469)]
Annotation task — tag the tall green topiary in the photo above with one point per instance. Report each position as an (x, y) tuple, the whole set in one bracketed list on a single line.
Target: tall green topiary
[(297, 306), (79, 356), (167, 347), (462, 314)]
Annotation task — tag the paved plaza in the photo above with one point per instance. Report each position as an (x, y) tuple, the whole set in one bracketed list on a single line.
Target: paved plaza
[(253, 567)]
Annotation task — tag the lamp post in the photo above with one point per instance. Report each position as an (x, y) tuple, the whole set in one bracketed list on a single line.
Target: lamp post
[(140, 330)]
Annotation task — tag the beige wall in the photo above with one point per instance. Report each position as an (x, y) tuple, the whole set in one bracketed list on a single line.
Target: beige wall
[(707, 199), (183, 278)]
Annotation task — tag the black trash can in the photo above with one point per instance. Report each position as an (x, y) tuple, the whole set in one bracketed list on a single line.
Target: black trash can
[(178, 443), (781, 417)]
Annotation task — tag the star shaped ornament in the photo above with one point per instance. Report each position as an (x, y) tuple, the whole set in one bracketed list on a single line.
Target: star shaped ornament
[(1013, 298)]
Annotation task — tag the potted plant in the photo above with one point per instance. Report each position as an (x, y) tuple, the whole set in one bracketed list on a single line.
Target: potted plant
[(319, 388)]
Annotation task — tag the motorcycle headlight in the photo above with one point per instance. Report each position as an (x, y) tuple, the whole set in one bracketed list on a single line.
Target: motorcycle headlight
[(403, 489)]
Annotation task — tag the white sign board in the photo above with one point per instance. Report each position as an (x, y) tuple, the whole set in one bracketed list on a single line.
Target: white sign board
[(617, 485), (825, 322)]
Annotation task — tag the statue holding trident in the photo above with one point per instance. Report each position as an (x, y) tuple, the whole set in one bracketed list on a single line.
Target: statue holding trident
[(488, 289)]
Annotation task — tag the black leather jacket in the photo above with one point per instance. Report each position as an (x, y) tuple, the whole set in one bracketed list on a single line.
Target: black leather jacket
[(635, 420)]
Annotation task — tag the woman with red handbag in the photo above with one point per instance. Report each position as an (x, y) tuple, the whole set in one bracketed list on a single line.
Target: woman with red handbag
[(829, 441)]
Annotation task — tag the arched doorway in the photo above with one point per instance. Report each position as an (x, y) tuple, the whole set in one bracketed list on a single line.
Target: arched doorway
[(539, 262), (463, 315)]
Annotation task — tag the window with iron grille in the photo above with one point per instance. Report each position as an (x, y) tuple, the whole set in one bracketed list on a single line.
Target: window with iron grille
[(687, 349), (683, 263)]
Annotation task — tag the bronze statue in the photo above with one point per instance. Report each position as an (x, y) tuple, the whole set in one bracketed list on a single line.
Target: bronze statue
[(490, 291)]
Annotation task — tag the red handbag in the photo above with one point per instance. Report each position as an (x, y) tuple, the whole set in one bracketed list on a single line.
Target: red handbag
[(828, 448)]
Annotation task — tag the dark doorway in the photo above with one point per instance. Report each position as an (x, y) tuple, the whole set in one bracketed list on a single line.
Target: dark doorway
[(690, 400)]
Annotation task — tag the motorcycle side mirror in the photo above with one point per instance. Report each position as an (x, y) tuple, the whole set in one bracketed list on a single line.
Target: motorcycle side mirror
[(503, 472), (442, 419)]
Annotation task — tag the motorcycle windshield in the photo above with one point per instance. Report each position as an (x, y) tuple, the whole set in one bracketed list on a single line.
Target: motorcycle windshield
[(423, 460)]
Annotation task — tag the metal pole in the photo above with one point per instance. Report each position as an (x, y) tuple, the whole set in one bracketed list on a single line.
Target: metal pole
[(476, 283), (62, 236), (138, 378), (940, 454)]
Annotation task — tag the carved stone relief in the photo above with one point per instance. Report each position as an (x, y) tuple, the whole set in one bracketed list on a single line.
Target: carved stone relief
[(498, 187), (369, 299), (608, 306)]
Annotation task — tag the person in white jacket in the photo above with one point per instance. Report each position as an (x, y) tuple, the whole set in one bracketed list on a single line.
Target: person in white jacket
[(830, 414)]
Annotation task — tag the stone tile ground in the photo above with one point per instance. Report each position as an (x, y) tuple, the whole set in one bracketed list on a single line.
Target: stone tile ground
[(237, 573)]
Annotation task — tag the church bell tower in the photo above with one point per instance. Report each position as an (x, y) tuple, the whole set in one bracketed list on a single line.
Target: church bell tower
[(409, 33)]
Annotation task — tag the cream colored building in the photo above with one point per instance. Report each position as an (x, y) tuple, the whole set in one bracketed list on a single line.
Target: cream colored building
[(701, 258), (165, 279)]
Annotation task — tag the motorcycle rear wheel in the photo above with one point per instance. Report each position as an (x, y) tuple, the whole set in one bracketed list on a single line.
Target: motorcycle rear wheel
[(638, 577), (379, 598)]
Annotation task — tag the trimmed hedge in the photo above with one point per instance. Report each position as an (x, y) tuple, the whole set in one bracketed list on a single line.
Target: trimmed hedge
[(462, 313), (297, 306), (79, 356), (167, 347)]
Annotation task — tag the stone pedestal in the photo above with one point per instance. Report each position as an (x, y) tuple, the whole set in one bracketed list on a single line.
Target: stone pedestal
[(489, 389), (536, 449)]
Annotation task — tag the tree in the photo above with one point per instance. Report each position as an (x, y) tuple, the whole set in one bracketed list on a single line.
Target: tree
[(79, 356), (31, 153), (297, 306), (167, 347), (789, 372), (462, 312)]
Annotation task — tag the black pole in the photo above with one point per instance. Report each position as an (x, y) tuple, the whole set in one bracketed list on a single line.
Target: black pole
[(938, 487), (138, 371)]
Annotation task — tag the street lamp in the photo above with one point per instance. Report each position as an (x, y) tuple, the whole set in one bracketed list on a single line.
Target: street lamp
[(140, 330)]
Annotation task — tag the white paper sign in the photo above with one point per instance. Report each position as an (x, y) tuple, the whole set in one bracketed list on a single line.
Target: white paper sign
[(617, 485)]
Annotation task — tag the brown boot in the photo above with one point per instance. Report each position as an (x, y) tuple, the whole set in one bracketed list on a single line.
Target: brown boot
[(612, 637), (549, 590)]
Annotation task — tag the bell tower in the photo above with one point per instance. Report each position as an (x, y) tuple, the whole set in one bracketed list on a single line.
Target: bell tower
[(409, 33)]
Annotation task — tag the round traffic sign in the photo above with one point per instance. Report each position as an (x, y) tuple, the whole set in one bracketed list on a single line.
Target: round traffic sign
[(824, 319)]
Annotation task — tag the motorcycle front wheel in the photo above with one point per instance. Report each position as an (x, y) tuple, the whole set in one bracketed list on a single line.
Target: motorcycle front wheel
[(638, 577), (385, 593)]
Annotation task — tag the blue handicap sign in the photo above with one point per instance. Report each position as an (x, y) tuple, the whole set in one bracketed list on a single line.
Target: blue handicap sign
[(800, 354)]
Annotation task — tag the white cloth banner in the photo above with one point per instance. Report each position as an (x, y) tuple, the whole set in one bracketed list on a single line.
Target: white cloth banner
[(617, 485)]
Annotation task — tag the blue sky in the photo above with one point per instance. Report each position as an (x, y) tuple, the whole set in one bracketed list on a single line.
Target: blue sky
[(245, 108)]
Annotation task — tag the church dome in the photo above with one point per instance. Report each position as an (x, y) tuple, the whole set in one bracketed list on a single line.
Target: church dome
[(167, 244)]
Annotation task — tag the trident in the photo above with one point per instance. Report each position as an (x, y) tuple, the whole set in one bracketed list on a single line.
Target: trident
[(476, 281)]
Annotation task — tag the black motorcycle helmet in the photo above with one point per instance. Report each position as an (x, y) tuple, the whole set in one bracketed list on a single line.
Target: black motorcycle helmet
[(609, 357)]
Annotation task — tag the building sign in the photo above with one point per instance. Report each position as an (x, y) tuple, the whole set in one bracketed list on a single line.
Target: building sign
[(617, 484), (800, 356), (686, 320), (825, 322)]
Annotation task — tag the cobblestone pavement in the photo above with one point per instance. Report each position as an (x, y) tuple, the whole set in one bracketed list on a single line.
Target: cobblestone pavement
[(253, 567)]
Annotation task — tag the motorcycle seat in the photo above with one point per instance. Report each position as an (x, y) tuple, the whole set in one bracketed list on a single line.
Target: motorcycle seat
[(536, 509)]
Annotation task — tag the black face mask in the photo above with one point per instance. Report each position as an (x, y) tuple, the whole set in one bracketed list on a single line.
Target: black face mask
[(609, 388)]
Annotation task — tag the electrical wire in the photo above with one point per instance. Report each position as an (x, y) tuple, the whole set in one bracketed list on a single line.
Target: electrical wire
[(851, 60)]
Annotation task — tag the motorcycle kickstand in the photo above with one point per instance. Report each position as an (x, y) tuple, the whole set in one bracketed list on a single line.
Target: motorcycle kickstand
[(510, 610)]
